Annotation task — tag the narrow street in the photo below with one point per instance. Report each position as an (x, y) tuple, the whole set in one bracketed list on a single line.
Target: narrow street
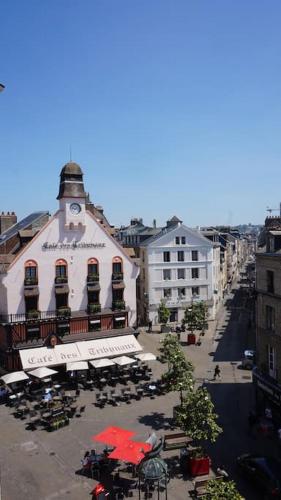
[(233, 395)]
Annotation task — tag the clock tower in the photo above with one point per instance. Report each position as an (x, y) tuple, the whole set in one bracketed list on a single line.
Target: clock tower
[(72, 196)]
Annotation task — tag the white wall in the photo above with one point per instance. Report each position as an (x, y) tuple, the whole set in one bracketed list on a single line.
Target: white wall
[(55, 232)]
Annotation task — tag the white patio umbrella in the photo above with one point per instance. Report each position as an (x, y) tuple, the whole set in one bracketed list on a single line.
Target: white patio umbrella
[(11, 378), (102, 363), (146, 356), (42, 372), (124, 360), (77, 365)]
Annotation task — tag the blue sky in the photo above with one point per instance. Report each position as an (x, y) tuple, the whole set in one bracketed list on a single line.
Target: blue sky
[(170, 106)]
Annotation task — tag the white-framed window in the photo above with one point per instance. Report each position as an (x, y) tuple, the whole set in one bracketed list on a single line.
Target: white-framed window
[(167, 293), (270, 318), (166, 256), (194, 255), (177, 240), (166, 274), (183, 240), (180, 256), (181, 293), (181, 274), (195, 272), (195, 290)]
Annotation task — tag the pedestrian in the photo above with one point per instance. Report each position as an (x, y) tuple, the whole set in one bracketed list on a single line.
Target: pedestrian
[(217, 372)]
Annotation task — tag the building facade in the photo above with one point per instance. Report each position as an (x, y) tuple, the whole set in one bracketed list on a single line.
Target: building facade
[(72, 279), (178, 265), (267, 374)]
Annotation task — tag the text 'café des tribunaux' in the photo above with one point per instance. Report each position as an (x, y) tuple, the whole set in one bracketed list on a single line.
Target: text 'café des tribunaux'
[(67, 288)]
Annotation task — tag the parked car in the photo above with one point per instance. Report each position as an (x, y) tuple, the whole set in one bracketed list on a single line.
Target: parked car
[(264, 472), (248, 360)]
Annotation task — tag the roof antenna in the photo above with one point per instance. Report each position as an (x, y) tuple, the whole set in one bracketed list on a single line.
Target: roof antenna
[(70, 153)]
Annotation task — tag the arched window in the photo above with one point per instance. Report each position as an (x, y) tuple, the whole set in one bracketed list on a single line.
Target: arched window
[(117, 265), (30, 272), (61, 270), (93, 267)]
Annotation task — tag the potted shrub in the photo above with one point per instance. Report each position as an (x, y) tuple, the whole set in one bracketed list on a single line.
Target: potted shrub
[(196, 318), (64, 311), (118, 304), (196, 417), (93, 277), (94, 308), (163, 315), (221, 490), (33, 314)]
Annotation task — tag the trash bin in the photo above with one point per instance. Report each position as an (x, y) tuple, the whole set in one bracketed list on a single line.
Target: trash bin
[(191, 338)]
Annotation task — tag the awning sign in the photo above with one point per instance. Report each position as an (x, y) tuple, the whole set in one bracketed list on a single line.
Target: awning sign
[(79, 351)]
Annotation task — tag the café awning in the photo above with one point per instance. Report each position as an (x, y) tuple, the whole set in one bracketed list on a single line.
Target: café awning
[(124, 360), (11, 378), (79, 351), (118, 286), (42, 372), (102, 363), (78, 365), (130, 451), (146, 356), (61, 289), (33, 291), (94, 288)]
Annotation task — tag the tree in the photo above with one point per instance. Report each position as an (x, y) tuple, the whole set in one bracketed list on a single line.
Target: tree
[(221, 490), (195, 317), (163, 313), (196, 416), (179, 376)]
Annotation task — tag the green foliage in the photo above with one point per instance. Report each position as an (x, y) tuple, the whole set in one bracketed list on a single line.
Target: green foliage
[(197, 418), (179, 376), (163, 313), (195, 317), (221, 490)]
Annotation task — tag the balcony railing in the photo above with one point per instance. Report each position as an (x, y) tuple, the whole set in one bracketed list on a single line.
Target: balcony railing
[(117, 276), (31, 281), (118, 305), (60, 280), (92, 278), (93, 308)]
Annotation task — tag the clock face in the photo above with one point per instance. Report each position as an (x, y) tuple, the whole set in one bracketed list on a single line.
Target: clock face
[(75, 208)]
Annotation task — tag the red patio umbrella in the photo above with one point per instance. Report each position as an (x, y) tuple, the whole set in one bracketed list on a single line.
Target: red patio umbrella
[(114, 436), (130, 451)]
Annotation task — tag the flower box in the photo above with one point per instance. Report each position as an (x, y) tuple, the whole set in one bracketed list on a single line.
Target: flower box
[(199, 466)]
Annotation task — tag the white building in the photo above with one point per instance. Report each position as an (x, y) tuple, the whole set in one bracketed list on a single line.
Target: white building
[(178, 265), (70, 281)]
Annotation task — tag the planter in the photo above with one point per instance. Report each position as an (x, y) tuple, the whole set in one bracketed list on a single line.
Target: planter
[(199, 466), (191, 338), (64, 312), (165, 328), (94, 308), (33, 314)]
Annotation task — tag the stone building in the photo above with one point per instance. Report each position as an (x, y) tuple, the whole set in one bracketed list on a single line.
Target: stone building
[(267, 374)]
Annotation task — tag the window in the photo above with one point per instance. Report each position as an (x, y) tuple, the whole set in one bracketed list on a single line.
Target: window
[(166, 256), (195, 272), (61, 269), (195, 290), (30, 272), (270, 281), (117, 265), (183, 240), (181, 293), (270, 318), (167, 274), (167, 293), (181, 274), (194, 255), (93, 267), (271, 361), (181, 256), (177, 240)]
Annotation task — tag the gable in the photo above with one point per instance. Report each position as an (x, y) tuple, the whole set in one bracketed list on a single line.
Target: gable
[(193, 238)]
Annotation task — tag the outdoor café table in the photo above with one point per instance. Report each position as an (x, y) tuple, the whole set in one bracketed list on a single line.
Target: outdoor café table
[(47, 380), (57, 386), (47, 414), (103, 380), (152, 388), (57, 398)]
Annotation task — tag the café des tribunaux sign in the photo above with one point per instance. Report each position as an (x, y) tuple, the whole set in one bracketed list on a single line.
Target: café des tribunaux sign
[(79, 351)]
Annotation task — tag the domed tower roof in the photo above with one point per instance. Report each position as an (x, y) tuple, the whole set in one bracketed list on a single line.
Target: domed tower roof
[(71, 182)]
